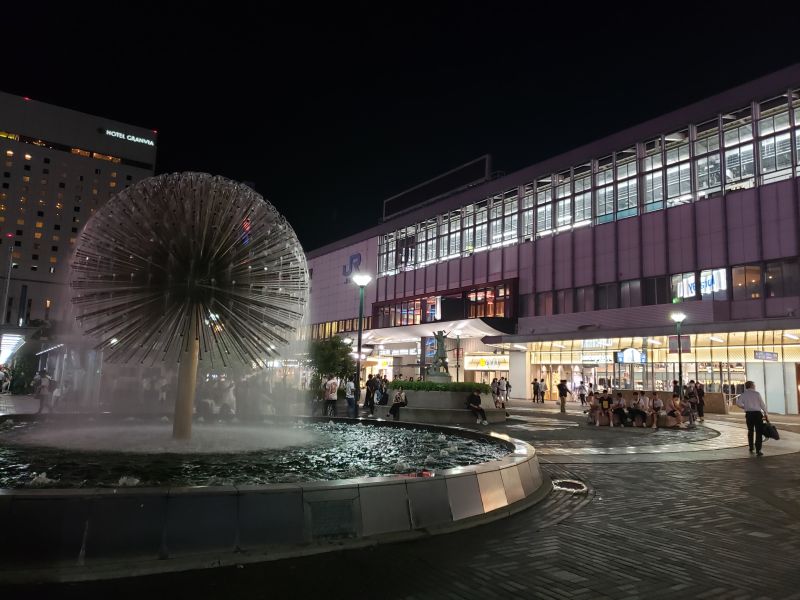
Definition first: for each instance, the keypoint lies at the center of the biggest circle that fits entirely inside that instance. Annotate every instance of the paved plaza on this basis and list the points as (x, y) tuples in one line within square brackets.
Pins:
[(666, 514)]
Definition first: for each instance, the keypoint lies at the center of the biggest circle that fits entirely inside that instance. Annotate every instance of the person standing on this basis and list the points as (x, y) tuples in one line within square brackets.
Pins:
[(502, 390), (562, 394), (535, 385), (542, 389), (495, 386), (582, 393), (331, 388), (701, 403), (350, 396), (755, 412), (44, 392)]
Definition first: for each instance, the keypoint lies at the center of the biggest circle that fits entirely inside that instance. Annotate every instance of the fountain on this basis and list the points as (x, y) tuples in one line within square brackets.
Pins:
[(188, 269)]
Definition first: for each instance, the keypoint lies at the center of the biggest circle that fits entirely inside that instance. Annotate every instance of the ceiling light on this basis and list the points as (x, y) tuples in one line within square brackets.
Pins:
[(791, 336), (652, 341), (716, 339), (559, 345)]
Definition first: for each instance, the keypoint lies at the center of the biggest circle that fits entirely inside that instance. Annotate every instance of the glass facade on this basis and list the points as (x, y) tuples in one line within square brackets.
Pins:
[(756, 145)]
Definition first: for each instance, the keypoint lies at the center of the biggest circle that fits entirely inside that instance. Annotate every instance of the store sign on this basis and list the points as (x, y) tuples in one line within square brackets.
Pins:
[(129, 137), (498, 362), (686, 344), (630, 356), (596, 359), (760, 355), (712, 280), (588, 344), (353, 263)]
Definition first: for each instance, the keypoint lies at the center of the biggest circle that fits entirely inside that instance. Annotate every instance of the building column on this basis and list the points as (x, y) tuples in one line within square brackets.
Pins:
[(520, 375)]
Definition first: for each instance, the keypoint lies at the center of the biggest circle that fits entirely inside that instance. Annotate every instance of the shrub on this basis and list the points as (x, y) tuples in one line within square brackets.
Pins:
[(431, 386)]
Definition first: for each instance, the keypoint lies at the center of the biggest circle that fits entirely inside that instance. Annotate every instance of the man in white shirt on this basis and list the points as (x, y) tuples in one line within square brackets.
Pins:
[(350, 396), (755, 411), (331, 387)]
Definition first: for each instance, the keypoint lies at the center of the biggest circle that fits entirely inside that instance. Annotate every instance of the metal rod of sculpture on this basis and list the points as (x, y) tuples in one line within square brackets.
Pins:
[(184, 268)]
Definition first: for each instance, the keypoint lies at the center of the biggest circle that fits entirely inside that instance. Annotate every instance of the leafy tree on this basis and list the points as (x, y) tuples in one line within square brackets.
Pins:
[(331, 357)]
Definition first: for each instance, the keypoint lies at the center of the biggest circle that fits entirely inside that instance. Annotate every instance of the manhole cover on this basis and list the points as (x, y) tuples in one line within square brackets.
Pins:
[(570, 485)]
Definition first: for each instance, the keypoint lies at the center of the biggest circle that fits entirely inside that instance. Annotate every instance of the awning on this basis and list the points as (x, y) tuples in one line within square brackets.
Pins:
[(465, 328)]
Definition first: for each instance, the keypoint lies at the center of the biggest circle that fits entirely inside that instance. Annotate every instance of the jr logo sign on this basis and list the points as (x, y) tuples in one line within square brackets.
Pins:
[(354, 263)]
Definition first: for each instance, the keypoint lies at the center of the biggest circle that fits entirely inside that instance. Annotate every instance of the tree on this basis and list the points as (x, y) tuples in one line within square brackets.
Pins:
[(331, 357)]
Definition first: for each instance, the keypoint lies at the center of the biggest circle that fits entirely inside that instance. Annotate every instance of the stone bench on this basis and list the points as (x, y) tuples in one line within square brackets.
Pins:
[(441, 416), (663, 420)]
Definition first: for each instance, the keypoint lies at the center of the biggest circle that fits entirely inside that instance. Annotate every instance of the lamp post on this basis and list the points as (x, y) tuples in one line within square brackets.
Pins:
[(679, 317), (361, 280)]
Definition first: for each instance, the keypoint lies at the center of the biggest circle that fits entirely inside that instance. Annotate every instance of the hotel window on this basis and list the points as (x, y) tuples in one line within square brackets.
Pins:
[(746, 282), (782, 279), (714, 284), (738, 129), (510, 216), (627, 188), (684, 287), (563, 199), (583, 194), (481, 217), (679, 182), (496, 221), (604, 206), (527, 212)]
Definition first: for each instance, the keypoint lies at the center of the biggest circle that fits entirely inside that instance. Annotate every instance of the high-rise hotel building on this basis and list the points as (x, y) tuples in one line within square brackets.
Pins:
[(58, 167)]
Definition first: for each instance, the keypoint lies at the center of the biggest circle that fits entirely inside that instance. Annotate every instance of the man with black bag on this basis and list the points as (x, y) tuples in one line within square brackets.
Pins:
[(751, 402)]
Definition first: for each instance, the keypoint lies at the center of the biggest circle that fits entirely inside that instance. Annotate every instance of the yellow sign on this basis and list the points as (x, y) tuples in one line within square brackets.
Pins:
[(488, 362)]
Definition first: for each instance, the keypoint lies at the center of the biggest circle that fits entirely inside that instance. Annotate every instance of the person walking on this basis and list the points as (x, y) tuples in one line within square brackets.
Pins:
[(495, 386), (582, 393), (502, 390), (755, 413), (562, 394)]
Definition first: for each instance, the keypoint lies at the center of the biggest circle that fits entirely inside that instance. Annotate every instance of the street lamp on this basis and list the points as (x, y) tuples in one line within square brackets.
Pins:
[(361, 280), (679, 317)]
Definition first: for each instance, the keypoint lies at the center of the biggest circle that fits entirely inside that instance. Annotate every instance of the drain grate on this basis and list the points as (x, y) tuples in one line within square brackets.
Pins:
[(570, 485)]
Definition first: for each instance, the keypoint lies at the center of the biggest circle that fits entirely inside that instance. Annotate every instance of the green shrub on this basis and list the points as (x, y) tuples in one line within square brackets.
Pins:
[(431, 386)]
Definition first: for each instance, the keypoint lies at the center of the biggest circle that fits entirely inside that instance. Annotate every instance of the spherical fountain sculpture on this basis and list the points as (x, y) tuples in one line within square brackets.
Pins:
[(187, 267)]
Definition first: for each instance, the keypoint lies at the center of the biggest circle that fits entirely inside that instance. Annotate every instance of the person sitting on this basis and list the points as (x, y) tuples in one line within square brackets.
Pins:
[(618, 409), (603, 408), (655, 407), (474, 404), (673, 408), (399, 401), (637, 409), (591, 412)]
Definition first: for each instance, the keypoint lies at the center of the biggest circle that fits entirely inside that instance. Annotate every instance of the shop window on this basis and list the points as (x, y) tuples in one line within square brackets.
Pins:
[(684, 287), (713, 284), (746, 282)]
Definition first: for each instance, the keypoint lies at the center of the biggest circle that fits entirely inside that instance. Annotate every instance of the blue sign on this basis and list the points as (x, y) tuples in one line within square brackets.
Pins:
[(761, 355), (630, 356), (352, 265)]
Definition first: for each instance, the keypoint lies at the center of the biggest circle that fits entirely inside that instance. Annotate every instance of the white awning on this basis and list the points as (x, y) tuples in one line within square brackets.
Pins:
[(465, 328)]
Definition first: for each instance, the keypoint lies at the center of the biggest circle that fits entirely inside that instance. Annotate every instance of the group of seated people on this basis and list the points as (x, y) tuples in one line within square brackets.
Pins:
[(641, 409)]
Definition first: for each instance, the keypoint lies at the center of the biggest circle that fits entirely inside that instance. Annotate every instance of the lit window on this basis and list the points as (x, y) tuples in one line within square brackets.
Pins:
[(26, 179), (28, 157), (20, 221), (56, 238), (53, 259), (39, 224), (113, 173), (112, 184), (52, 270), (48, 303), (37, 235), (9, 153)]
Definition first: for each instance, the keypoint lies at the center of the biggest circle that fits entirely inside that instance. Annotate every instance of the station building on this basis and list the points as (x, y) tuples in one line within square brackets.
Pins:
[(571, 268)]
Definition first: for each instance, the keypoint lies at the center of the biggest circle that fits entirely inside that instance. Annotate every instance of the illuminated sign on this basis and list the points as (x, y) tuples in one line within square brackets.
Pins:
[(129, 137), (630, 356), (760, 355), (490, 362), (596, 343), (712, 280), (595, 359)]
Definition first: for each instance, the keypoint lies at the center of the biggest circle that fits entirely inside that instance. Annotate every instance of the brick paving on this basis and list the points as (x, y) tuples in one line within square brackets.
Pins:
[(692, 529)]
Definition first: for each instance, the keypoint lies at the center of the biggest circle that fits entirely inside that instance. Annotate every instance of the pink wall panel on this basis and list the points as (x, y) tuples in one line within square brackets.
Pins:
[(495, 264), (441, 276), (653, 244), (563, 260), (629, 249), (778, 227), (510, 261), (410, 275), (454, 273), (681, 238), (583, 261), (711, 233), (419, 281), (605, 262), (544, 264), (745, 309), (526, 268), (380, 288), (430, 278), (481, 267), (390, 287), (467, 264), (400, 286), (742, 226)]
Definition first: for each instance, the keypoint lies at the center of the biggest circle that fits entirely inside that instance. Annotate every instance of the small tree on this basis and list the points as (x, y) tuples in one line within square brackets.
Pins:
[(330, 357)]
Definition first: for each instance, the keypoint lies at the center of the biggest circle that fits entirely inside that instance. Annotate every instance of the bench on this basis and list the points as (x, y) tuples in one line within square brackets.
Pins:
[(441, 416)]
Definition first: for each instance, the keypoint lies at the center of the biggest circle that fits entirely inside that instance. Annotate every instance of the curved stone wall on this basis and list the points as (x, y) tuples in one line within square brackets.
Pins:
[(80, 528)]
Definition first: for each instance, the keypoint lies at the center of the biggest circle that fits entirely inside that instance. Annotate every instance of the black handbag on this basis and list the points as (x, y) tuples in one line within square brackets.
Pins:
[(770, 431)]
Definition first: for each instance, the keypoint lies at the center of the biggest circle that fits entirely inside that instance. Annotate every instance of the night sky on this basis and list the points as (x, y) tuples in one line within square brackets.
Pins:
[(331, 112)]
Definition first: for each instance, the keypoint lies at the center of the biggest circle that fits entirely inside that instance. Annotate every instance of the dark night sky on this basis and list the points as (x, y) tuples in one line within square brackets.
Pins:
[(331, 112)]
